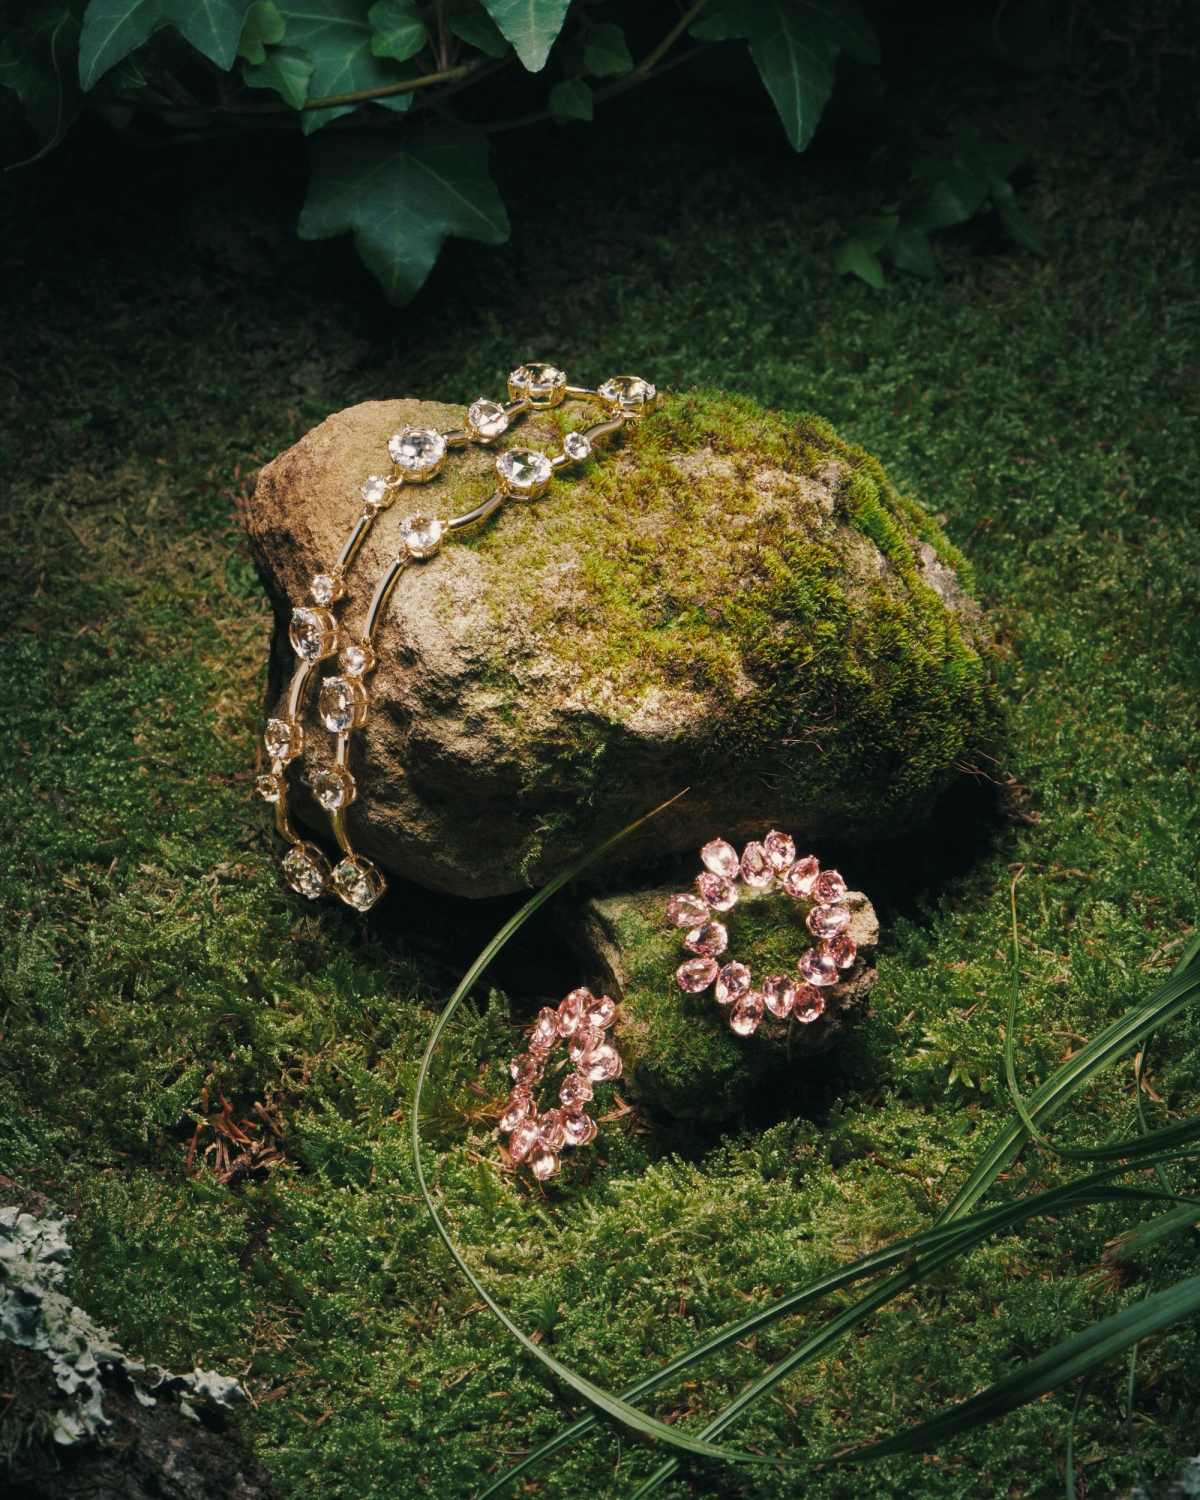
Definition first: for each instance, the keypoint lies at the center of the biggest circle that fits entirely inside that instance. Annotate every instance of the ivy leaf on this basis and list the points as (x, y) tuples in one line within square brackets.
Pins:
[(264, 27), (909, 250), (112, 29), (479, 30), (606, 52), (287, 70), (856, 257), (843, 22), (571, 100), (401, 202), (38, 63), (794, 44), (337, 35), (955, 195), (995, 161), (399, 30), (530, 25), (1015, 220)]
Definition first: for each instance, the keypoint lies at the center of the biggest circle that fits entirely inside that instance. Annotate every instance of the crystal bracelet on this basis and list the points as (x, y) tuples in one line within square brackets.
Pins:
[(419, 455)]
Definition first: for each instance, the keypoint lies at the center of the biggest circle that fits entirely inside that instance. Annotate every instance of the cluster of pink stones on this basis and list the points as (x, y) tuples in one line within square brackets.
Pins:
[(771, 863), (581, 1021)]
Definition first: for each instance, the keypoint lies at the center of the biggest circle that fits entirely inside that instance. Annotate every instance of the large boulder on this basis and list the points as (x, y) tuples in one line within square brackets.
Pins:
[(726, 599)]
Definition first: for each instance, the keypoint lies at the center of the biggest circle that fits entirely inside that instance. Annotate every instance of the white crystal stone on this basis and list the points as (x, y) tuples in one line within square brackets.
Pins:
[(324, 588), (284, 739), (418, 452), (576, 446), (271, 786), (377, 490), (335, 788), (356, 661), (523, 471), (358, 882), (422, 535), (629, 393), (306, 870), (314, 634), (343, 704), (540, 384), (486, 420)]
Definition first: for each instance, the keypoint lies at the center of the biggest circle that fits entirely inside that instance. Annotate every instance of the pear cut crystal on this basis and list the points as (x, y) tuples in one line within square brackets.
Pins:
[(781, 849), (603, 1064), (686, 910), (571, 1011), (576, 446), (284, 739), (842, 950), (578, 1128), (306, 870), (584, 1043), (516, 1110), (550, 1130), (523, 1140), (545, 1030), (827, 921), (629, 393), (732, 983), (600, 1013), (523, 472), (525, 1070), (271, 786), (746, 1014), (486, 420), (422, 535), (313, 634), (575, 1090), (818, 968), (335, 788), (778, 994), (757, 868), (721, 858), (419, 453), (809, 1004), (710, 939), (720, 893), (544, 1165), (358, 882), (696, 974), (800, 878), (829, 887), (343, 704), (539, 384)]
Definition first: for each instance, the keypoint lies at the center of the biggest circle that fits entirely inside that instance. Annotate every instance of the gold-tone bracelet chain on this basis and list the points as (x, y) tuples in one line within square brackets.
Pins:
[(418, 455)]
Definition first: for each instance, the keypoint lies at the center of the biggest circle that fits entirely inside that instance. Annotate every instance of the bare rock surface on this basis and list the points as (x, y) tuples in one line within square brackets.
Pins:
[(725, 598)]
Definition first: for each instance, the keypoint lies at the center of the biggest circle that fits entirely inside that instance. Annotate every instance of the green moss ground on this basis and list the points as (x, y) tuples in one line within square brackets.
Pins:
[(1048, 410)]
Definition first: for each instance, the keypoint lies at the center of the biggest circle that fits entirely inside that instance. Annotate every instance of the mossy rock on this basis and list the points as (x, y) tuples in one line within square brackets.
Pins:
[(729, 598), (678, 1051)]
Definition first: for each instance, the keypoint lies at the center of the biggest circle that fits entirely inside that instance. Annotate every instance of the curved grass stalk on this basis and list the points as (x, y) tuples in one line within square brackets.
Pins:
[(1069, 1465)]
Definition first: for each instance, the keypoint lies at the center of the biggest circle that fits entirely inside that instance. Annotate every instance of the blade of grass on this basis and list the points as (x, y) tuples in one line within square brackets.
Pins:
[(1132, 1241), (1069, 1468)]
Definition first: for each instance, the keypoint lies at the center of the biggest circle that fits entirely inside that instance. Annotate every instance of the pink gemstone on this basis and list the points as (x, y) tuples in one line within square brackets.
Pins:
[(801, 877), (780, 848), (550, 1130), (515, 1110), (732, 982), (686, 910), (570, 1011), (525, 1069), (578, 1127), (746, 1014), (544, 1165), (545, 1031), (600, 1013), (757, 869), (778, 993), (721, 858), (809, 1004), (709, 940), (602, 1064), (818, 968), (696, 975), (828, 921), (575, 1090), (523, 1140), (830, 886), (842, 950), (720, 893), (584, 1042)]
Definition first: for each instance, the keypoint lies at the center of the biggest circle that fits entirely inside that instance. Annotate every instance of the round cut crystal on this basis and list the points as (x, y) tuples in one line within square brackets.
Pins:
[(696, 974), (603, 1064), (829, 887), (827, 921), (629, 393), (419, 453), (335, 788), (842, 950), (516, 1110), (422, 535), (314, 634), (584, 1043), (539, 384), (720, 893), (358, 882), (575, 1090), (486, 420), (284, 739), (306, 870), (544, 1165), (800, 878), (326, 587), (709, 939), (550, 1130), (523, 1140), (571, 1011), (686, 910), (600, 1013), (271, 786), (356, 661), (378, 491), (576, 446), (721, 858), (732, 982), (343, 704), (545, 1030), (808, 1005), (525, 1070), (746, 1014), (778, 993), (523, 471), (781, 848), (757, 868), (578, 1128), (818, 968)]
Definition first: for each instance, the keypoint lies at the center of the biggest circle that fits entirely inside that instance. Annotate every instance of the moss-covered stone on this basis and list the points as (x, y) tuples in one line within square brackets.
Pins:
[(678, 1050), (733, 599)]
